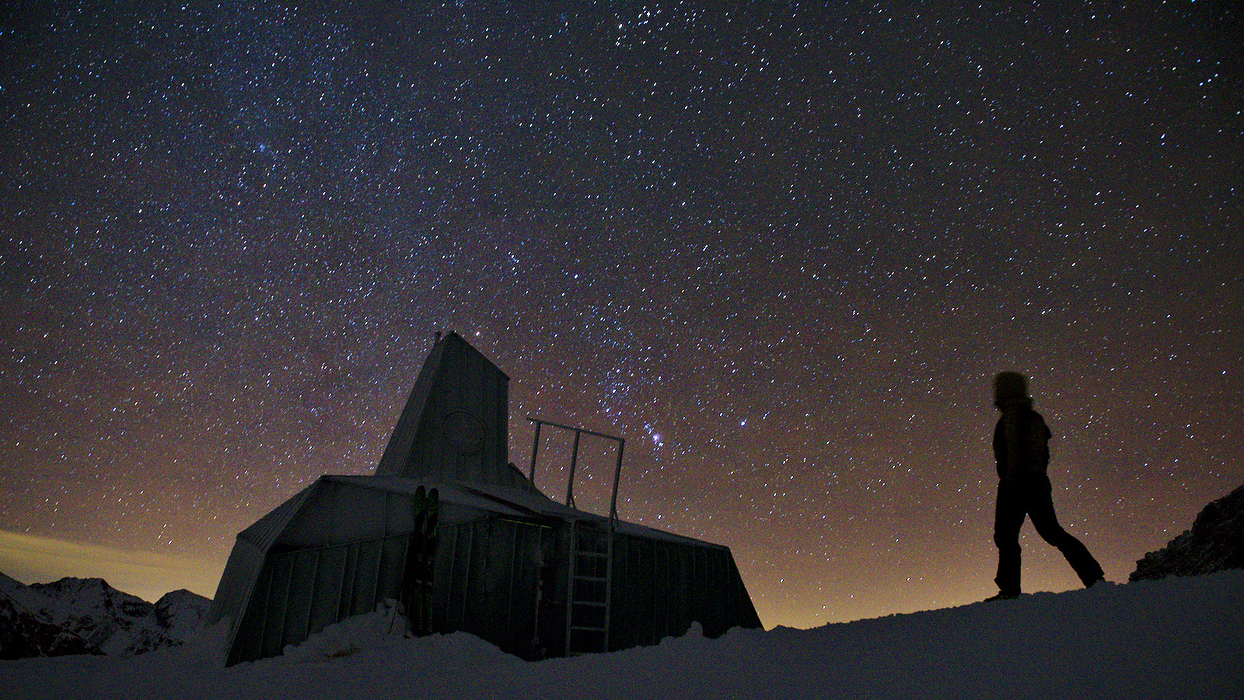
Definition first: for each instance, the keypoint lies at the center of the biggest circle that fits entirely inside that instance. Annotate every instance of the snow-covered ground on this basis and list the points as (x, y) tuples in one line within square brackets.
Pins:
[(1175, 638)]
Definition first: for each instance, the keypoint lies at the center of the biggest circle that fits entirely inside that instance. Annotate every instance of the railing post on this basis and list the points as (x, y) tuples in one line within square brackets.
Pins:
[(535, 447), (617, 474), (574, 459)]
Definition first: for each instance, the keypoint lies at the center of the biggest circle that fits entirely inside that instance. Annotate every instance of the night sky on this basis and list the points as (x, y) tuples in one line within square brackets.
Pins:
[(781, 249)]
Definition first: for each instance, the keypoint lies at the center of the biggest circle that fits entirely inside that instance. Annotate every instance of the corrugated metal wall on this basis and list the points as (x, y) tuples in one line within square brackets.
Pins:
[(661, 587), (507, 581), (333, 551), (300, 592), (494, 580), (503, 578)]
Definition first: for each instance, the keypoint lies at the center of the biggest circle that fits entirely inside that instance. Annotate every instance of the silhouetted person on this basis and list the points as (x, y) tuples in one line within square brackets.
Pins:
[(1021, 448)]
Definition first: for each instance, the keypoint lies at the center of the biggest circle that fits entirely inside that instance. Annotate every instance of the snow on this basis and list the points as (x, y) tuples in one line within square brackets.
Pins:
[(1178, 637), (117, 623), (180, 613)]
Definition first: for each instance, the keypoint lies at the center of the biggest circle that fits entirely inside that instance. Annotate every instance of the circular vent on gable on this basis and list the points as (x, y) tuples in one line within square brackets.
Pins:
[(463, 431)]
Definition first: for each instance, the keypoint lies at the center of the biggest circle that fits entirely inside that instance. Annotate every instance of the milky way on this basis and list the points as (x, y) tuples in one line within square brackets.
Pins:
[(781, 249)]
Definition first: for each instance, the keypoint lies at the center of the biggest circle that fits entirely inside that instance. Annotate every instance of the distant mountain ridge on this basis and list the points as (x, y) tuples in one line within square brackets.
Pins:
[(88, 616), (1215, 543)]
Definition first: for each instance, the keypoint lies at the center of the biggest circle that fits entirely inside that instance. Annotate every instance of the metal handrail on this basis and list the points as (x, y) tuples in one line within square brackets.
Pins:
[(574, 459)]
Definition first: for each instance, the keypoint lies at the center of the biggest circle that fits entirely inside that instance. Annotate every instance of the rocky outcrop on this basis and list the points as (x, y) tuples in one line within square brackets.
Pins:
[(87, 616), (24, 634), (1215, 542)]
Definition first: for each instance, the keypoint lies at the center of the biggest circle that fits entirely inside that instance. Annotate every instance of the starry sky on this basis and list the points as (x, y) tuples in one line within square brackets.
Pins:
[(781, 248)]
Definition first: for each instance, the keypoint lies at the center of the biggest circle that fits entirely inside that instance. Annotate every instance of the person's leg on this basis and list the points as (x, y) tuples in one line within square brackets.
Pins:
[(1041, 510), (1008, 519)]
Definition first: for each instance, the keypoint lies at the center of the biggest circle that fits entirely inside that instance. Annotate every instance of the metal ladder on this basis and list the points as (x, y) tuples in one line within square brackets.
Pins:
[(590, 588), (590, 585)]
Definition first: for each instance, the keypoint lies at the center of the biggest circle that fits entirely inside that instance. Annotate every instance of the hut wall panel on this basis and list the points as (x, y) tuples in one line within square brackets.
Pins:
[(503, 576), (627, 616), (271, 641), (509, 534), (493, 594), (681, 617), (621, 598), (458, 598), (660, 588), (325, 601), (691, 598), (645, 593), (524, 600), (297, 607), (366, 574), (551, 623), (241, 573), (661, 592), (494, 455), (445, 396), (392, 568), (501, 427), (432, 440), (677, 600), (695, 597), (248, 638), (446, 592), (399, 514), (473, 616), (718, 588), (420, 461), (699, 585), (678, 592), (439, 588), (719, 591), (346, 591), (488, 462)]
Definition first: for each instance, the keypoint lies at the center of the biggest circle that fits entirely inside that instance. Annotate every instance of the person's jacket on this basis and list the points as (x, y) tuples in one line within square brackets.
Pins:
[(1021, 442)]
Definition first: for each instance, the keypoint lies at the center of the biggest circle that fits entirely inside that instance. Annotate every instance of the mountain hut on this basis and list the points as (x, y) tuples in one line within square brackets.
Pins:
[(533, 576)]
